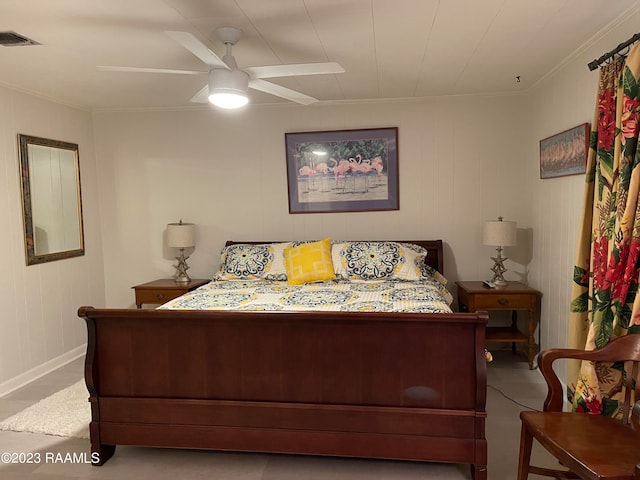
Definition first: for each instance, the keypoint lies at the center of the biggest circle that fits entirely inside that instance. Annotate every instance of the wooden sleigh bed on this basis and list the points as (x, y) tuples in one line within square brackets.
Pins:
[(408, 386)]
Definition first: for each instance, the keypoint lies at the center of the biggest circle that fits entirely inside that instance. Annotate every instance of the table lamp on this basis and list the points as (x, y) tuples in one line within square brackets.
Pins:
[(181, 235), (499, 234)]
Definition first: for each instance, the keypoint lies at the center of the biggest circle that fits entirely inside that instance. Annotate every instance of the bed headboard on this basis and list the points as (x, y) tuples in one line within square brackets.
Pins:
[(434, 249)]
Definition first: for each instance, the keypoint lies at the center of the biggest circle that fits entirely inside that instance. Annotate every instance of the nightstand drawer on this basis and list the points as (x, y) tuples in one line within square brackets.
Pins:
[(157, 296), (497, 301)]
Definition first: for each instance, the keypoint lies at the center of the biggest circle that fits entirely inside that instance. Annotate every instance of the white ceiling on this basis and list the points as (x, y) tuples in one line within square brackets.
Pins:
[(389, 48)]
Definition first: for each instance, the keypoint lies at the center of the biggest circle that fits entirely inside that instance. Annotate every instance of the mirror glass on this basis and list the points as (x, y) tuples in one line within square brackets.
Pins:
[(51, 199)]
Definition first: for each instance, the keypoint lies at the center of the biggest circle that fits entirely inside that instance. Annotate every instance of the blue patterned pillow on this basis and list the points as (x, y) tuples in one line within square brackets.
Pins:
[(250, 262), (378, 261)]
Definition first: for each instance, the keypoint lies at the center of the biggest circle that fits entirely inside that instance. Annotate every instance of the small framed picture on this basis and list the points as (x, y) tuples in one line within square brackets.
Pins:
[(565, 153)]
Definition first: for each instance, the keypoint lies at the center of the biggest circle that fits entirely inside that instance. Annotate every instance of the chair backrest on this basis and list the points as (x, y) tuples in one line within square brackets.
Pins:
[(622, 349)]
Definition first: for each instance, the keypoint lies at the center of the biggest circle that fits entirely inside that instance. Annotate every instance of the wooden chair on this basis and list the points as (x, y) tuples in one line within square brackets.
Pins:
[(589, 446)]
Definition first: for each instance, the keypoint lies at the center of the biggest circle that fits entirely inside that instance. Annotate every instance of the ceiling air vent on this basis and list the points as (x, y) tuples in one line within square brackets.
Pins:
[(13, 39)]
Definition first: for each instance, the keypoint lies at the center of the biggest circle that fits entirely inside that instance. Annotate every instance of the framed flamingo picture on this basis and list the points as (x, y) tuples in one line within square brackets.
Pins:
[(565, 153), (343, 170)]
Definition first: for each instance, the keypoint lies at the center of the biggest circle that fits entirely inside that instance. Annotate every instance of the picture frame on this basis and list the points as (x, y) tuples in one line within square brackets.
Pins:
[(343, 170), (565, 153)]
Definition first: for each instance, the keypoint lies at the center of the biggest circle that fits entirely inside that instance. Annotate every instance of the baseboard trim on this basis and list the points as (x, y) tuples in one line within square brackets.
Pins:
[(41, 370)]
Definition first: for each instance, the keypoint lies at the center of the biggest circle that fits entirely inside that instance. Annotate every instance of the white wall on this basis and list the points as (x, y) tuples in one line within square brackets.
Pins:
[(459, 165), (565, 99), (39, 326)]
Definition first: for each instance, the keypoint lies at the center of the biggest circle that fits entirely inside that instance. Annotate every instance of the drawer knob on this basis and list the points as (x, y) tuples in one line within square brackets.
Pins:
[(503, 301), (160, 296)]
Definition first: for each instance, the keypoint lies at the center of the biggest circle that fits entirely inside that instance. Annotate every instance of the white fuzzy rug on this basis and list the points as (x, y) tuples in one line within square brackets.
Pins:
[(66, 413)]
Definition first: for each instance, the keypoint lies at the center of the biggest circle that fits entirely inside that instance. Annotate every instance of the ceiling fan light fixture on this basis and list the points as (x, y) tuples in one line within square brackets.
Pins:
[(228, 88), (229, 101)]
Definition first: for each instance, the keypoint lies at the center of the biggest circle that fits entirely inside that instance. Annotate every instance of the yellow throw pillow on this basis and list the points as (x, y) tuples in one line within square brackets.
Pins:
[(309, 263)]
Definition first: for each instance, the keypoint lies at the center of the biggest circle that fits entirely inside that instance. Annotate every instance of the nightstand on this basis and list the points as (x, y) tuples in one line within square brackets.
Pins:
[(163, 290), (474, 296)]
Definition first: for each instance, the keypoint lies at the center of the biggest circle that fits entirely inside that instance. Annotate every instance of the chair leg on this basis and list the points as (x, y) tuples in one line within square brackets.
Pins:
[(524, 459)]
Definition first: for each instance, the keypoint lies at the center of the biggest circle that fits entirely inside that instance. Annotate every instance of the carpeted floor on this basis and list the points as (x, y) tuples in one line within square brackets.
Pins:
[(66, 413)]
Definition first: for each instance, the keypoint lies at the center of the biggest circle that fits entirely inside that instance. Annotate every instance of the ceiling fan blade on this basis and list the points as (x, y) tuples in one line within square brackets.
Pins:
[(202, 96), (295, 69), (282, 92), (198, 48), (108, 68)]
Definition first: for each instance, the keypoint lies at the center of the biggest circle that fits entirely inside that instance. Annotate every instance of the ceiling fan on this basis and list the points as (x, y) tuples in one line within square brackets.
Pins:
[(228, 85)]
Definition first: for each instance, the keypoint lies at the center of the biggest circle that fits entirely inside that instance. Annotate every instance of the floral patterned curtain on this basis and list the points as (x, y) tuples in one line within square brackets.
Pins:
[(605, 304)]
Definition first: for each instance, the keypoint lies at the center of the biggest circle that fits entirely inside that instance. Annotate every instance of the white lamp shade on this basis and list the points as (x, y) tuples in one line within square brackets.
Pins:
[(499, 233), (181, 235)]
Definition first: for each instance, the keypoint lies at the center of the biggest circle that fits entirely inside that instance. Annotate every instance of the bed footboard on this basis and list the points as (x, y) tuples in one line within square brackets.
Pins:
[(379, 385)]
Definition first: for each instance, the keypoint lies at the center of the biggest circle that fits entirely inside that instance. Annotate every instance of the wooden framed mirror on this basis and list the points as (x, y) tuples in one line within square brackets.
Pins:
[(51, 199)]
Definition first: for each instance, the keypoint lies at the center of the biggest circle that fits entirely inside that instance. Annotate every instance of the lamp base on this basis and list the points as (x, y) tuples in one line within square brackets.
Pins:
[(497, 283), (181, 276), (498, 269)]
